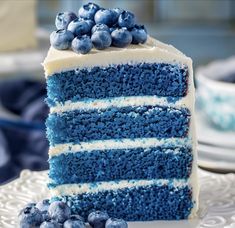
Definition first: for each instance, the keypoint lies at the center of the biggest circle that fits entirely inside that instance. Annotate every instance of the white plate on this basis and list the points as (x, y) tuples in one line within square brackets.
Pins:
[(216, 149), (209, 135), (217, 201), (216, 158)]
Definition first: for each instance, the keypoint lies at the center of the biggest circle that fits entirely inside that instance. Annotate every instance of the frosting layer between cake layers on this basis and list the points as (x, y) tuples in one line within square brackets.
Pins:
[(121, 131)]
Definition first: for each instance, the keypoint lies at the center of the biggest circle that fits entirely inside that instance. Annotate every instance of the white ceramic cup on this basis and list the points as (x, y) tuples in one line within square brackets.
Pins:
[(216, 97)]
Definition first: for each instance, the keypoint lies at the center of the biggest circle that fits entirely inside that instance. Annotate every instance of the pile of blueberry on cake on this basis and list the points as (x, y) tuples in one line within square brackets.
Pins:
[(58, 215), (96, 27)]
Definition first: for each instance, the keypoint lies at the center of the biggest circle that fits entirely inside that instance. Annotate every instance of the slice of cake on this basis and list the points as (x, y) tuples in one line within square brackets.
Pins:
[(121, 130)]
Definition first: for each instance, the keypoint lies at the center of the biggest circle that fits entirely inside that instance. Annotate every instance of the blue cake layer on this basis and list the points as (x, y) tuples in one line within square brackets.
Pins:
[(161, 79), (119, 164), (135, 204), (117, 123)]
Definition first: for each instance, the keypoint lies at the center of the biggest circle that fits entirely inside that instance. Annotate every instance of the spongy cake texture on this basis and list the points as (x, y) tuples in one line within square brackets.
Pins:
[(141, 79), (117, 123)]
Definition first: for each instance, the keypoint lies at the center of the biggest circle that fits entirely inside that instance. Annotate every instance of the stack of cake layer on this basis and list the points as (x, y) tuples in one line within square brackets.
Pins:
[(121, 131)]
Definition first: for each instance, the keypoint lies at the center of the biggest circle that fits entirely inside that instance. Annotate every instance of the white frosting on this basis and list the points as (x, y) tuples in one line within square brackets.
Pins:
[(121, 102), (76, 189), (152, 51), (17, 24), (118, 144), (193, 180)]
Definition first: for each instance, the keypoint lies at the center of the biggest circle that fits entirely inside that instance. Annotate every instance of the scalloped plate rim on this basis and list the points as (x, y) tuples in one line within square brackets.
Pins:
[(206, 218)]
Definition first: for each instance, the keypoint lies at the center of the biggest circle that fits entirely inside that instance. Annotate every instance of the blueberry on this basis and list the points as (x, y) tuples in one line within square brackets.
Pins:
[(116, 223), (90, 23), (116, 14), (50, 224), (61, 39), (75, 221), (45, 216), (97, 219), (100, 27), (63, 19), (104, 16), (121, 37), (88, 11), (118, 10), (79, 27), (111, 29), (82, 44), (101, 39), (30, 217), (126, 19), (59, 211), (43, 205), (139, 34), (77, 217)]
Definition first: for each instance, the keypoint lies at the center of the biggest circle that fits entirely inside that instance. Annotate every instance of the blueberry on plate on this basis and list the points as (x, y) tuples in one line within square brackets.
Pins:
[(82, 44), (121, 37), (139, 34), (30, 217), (51, 224), (100, 27), (105, 16), (101, 39), (45, 216), (79, 27), (88, 11), (126, 19), (77, 217), (43, 205), (97, 219), (61, 39), (62, 20), (116, 223), (59, 211), (75, 221)]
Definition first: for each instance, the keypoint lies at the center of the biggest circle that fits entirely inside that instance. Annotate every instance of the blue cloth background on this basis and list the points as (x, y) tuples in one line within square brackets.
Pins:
[(23, 143)]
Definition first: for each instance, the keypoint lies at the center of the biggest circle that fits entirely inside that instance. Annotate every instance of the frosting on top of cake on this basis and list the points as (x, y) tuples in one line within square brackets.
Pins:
[(152, 51)]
